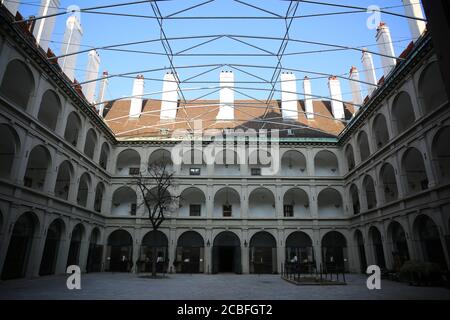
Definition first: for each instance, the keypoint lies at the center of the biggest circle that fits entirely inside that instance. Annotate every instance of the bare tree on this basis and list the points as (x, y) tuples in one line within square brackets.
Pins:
[(154, 187)]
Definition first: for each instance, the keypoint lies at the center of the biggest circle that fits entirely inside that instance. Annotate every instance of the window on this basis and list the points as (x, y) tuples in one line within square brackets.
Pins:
[(164, 131), (134, 171), (194, 171), (195, 210), (133, 209), (256, 171), (288, 210), (290, 132), (227, 210)]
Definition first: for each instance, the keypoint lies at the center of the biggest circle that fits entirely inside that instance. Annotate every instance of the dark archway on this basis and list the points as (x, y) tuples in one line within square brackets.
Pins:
[(90, 143), (334, 251), (154, 243), (73, 127), (18, 83), (94, 261), (441, 153), (414, 171), (190, 253), (20, 245), (263, 253), (49, 109), (427, 233), (354, 196), (377, 243), (299, 250), (389, 183), (400, 252), (403, 112), (380, 131), (359, 240), (369, 189), (363, 143), (226, 253), (431, 87), (350, 156), (9, 148), (75, 245), (39, 161), (51, 248), (120, 251)]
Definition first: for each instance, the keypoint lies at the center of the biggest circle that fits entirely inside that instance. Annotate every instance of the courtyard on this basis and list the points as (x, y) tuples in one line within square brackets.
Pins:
[(126, 286)]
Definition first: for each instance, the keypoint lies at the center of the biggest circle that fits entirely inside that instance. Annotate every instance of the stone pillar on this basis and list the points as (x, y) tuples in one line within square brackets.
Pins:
[(63, 251), (136, 250), (172, 248), (244, 202), (208, 252), (281, 252), (245, 252), (317, 248)]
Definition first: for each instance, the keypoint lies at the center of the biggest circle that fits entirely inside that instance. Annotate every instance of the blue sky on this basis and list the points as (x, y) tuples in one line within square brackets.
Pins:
[(346, 29)]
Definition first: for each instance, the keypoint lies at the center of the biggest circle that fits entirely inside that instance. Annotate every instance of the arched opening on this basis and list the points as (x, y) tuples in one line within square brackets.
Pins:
[(380, 131), (94, 261), (258, 161), (63, 180), (377, 244), (263, 253), (75, 245), (161, 158), (441, 153), (363, 143), (296, 203), (369, 190), (330, 203), (119, 252), (49, 109), (293, 164), (73, 127), (83, 189), (414, 171), (359, 240), (389, 183), (38, 164), (154, 244), (193, 163), (299, 251), (261, 203), (226, 253), (90, 144), (9, 147), (227, 203), (334, 251), (326, 164), (190, 253), (98, 199), (226, 162), (18, 84), (427, 232), (51, 247), (124, 202), (431, 87), (403, 112), (350, 156), (20, 246), (354, 196), (104, 155), (192, 203), (400, 252), (128, 163)]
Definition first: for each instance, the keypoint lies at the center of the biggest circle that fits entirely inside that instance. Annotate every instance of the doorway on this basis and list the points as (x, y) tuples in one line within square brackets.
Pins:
[(226, 253)]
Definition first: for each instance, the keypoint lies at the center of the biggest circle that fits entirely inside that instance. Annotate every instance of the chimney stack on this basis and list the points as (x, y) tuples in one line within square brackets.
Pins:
[(92, 70), (137, 99), (71, 44), (12, 6), (309, 108), (337, 106), (43, 29), (226, 110), (169, 101), (413, 9), (369, 71), (355, 86), (289, 98), (102, 94), (384, 40)]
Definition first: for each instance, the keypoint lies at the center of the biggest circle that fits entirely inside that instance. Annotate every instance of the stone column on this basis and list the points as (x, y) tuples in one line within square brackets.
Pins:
[(245, 252)]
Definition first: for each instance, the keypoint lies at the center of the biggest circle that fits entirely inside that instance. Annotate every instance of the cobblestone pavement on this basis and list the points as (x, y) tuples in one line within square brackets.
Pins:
[(222, 286)]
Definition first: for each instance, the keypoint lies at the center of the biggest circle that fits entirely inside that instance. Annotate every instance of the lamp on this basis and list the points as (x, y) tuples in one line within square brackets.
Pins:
[(208, 243), (245, 243)]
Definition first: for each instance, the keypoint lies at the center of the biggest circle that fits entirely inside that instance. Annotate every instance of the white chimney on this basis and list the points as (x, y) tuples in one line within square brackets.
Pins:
[(369, 71), (102, 94), (137, 99), (413, 9), (289, 98), (355, 86), (12, 6), (71, 44), (337, 106), (92, 70), (44, 27), (309, 108), (226, 110), (169, 101), (386, 48)]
